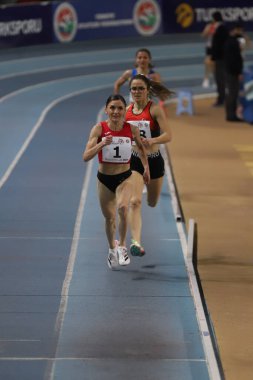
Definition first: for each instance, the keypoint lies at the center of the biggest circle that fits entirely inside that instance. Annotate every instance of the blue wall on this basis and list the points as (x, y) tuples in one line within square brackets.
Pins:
[(77, 20)]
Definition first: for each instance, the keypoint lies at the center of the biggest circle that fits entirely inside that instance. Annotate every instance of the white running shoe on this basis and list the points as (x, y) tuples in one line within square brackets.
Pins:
[(124, 259), (112, 259), (206, 83)]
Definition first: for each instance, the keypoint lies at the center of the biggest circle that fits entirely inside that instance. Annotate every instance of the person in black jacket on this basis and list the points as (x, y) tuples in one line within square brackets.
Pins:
[(233, 60), (218, 42)]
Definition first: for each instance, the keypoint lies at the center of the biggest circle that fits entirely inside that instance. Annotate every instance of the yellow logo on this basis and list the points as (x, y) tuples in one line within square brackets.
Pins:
[(185, 15)]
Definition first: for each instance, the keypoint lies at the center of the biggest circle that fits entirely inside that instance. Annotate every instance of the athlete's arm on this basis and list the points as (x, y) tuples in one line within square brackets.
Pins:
[(156, 77), (93, 147), (158, 114), (121, 80), (142, 153)]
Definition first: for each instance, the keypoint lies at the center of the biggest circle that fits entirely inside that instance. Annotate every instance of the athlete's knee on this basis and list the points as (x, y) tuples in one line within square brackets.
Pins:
[(122, 210), (110, 220), (152, 202), (135, 203)]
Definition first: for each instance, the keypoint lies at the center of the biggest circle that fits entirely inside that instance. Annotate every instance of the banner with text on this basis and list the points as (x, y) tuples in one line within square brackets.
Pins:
[(25, 25), (191, 16), (78, 21)]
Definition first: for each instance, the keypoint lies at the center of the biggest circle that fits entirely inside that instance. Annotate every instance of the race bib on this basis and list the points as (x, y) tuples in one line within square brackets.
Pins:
[(143, 126), (119, 151)]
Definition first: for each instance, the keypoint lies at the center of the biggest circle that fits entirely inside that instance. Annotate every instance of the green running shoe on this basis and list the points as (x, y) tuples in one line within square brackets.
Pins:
[(136, 249)]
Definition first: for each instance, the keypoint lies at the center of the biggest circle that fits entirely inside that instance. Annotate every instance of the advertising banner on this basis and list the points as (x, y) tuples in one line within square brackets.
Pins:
[(85, 20), (25, 25), (192, 15)]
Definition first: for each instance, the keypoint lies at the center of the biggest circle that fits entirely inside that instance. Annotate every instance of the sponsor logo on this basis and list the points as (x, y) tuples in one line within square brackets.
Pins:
[(229, 14), (21, 27), (65, 22), (147, 17), (185, 15)]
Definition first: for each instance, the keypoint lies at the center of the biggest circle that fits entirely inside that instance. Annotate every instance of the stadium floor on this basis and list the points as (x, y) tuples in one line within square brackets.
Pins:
[(212, 165)]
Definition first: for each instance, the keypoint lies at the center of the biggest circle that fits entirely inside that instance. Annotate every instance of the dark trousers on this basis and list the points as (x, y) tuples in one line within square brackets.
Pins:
[(232, 94), (220, 81)]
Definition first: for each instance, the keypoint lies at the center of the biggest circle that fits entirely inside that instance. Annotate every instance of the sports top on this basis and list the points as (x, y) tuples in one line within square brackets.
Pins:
[(135, 72), (119, 151), (144, 121)]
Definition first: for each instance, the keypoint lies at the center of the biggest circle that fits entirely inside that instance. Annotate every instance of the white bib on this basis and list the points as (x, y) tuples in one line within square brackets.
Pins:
[(143, 126), (119, 151)]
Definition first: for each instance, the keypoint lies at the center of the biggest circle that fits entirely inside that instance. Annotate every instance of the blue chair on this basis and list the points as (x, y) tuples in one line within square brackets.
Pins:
[(184, 102), (246, 100)]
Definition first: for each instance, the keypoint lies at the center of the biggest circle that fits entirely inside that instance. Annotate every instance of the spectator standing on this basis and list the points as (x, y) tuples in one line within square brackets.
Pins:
[(233, 70), (208, 33), (218, 42)]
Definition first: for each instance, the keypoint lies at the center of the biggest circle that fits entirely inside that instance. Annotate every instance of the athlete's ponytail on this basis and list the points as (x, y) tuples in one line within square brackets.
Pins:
[(156, 89)]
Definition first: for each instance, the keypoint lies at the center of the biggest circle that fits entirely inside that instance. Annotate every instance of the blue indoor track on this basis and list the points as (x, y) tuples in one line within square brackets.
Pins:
[(64, 314)]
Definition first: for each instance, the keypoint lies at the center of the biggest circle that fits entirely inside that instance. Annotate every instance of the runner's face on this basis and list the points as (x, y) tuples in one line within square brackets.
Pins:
[(139, 90), (142, 60), (116, 110)]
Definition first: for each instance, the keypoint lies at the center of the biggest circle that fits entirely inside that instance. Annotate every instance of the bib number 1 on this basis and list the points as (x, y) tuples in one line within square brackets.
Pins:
[(119, 151)]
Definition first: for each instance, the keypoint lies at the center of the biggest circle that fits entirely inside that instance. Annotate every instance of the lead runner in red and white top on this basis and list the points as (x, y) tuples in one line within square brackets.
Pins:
[(112, 140)]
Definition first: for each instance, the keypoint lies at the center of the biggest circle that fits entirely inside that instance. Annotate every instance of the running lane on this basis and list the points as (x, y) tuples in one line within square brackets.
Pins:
[(64, 314)]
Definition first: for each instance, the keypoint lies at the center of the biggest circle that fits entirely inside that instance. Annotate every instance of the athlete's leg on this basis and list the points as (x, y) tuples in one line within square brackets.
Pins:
[(154, 190), (123, 195), (107, 201), (135, 219)]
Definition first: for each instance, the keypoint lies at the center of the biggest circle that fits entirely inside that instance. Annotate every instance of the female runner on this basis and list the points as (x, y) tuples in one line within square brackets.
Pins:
[(112, 141), (143, 65), (153, 123)]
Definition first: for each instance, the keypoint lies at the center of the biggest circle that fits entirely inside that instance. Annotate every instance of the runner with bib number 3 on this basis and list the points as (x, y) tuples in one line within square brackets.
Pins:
[(153, 123)]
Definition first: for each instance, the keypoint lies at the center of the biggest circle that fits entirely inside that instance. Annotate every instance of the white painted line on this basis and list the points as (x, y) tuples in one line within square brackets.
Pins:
[(174, 201), (81, 56), (45, 238), (100, 114), (20, 340), (43, 84), (37, 126), (49, 373), (190, 240), (49, 359), (71, 262), (212, 364)]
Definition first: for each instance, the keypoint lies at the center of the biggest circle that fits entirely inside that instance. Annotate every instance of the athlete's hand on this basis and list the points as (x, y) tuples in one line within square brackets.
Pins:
[(146, 176), (146, 142), (107, 140)]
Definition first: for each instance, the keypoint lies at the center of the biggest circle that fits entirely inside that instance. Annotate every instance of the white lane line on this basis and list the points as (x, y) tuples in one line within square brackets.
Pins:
[(49, 373), (45, 238), (37, 126), (20, 340), (53, 81), (63, 238), (205, 334), (96, 359), (57, 68), (74, 57), (71, 262)]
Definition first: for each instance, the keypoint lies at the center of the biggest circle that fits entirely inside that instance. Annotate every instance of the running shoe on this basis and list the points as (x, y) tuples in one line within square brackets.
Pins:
[(124, 259), (206, 83), (112, 259), (136, 249)]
